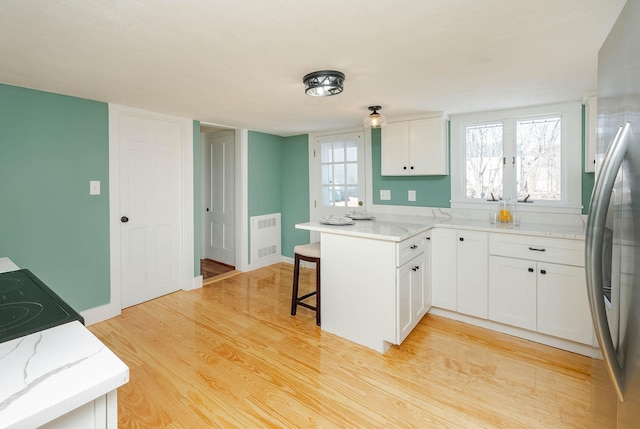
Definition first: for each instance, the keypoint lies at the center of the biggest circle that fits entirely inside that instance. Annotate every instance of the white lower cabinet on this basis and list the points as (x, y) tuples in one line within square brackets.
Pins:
[(101, 413), (512, 292), (563, 305), (472, 273), (459, 267), (411, 296), (528, 291), (443, 269)]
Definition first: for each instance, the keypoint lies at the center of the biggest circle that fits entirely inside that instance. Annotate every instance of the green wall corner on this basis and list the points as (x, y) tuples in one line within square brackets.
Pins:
[(51, 146)]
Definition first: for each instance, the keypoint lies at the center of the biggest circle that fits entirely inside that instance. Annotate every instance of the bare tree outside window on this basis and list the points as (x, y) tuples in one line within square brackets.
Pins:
[(483, 146), (539, 168)]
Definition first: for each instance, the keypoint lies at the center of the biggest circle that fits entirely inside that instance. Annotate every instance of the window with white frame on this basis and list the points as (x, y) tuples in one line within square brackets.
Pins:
[(532, 155)]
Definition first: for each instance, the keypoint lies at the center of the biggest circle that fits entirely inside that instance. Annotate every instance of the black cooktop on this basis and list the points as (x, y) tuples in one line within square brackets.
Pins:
[(27, 305)]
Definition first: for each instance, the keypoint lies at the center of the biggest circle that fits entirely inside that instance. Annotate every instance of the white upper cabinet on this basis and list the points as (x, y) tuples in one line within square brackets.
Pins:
[(415, 148)]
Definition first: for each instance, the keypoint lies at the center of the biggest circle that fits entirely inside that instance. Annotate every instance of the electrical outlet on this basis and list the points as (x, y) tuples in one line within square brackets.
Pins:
[(412, 195), (94, 187), (385, 194)]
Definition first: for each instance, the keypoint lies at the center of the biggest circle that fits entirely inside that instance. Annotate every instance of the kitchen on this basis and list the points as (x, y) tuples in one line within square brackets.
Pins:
[(51, 200)]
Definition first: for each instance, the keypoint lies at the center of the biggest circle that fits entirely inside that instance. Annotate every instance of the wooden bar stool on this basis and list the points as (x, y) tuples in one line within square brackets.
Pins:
[(309, 253)]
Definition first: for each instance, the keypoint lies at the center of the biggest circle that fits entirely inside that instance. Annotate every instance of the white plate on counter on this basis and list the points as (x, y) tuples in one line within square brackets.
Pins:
[(360, 216), (336, 220)]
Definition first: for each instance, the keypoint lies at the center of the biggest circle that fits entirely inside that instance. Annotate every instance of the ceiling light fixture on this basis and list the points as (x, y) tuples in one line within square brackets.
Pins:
[(323, 83), (375, 119)]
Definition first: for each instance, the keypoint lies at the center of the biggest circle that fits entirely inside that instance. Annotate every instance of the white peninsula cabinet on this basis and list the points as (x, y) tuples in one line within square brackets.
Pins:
[(375, 286), (415, 148)]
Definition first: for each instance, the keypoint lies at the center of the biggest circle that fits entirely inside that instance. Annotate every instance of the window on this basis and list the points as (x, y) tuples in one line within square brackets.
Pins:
[(531, 155), (337, 180), (339, 173)]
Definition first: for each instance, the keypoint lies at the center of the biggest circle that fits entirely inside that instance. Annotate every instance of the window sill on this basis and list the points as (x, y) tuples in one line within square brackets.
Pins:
[(533, 207)]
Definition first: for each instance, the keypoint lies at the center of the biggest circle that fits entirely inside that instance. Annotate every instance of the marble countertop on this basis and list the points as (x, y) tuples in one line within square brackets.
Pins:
[(50, 373), (399, 228)]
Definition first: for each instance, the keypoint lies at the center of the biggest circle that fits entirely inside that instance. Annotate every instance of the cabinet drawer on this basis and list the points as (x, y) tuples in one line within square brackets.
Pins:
[(409, 249), (557, 250)]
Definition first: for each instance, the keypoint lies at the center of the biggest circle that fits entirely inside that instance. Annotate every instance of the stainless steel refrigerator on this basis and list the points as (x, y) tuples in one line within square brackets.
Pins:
[(613, 228)]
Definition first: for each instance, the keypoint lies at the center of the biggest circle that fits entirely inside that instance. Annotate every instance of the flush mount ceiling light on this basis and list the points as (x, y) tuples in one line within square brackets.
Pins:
[(323, 83), (375, 119)]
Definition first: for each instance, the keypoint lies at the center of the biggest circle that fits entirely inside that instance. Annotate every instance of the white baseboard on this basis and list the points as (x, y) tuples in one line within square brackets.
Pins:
[(582, 349), (99, 314), (195, 284)]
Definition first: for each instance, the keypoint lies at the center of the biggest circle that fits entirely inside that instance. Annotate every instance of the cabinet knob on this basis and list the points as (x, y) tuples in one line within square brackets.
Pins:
[(124, 219), (413, 247), (428, 238), (404, 168), (530, 270), (543, 271), (461, 238), (412, 167), (416, 268)]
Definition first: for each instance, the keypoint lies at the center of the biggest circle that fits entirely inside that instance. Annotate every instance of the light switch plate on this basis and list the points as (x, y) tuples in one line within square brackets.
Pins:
[(412, 195), (94, 187), (385, 194)]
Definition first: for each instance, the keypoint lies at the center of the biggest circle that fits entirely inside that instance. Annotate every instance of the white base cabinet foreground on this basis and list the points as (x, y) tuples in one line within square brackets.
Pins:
[(376, 291)]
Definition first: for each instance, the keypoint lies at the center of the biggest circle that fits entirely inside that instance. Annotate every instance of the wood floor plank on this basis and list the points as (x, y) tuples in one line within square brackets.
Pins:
[(230, 355)]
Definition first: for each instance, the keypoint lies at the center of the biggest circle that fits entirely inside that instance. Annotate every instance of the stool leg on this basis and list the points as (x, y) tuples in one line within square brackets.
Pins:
[(318, 292), (294, 292)]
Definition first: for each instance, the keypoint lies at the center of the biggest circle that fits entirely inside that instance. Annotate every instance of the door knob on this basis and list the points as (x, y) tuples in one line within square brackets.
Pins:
[(124, 219), (207, 208)]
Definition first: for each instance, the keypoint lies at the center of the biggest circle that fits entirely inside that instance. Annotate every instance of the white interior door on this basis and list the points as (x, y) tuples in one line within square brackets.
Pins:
[(150, 205), (339, 174), (219, 200)]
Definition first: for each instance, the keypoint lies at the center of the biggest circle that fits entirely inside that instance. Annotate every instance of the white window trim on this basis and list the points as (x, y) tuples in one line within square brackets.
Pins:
[(571, 114)]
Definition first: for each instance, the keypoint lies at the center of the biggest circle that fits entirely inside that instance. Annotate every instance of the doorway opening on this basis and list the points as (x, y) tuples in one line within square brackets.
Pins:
[(218, 203)]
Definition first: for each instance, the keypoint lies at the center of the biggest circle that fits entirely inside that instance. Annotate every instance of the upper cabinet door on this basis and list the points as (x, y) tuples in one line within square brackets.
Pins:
[(415, 148), (395, 149)]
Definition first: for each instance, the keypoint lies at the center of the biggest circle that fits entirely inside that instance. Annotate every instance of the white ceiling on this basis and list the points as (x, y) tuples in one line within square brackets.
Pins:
[(240, 63)]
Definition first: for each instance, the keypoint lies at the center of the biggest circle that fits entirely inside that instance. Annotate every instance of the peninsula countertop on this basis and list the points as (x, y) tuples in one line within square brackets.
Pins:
[(399, 228)]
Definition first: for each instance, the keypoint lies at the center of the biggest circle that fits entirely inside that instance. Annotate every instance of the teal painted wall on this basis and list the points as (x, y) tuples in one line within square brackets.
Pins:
[(278, 182), (51, 146), (197, 198), (588, 179), (295, 191), (431, 191), (264, 173)]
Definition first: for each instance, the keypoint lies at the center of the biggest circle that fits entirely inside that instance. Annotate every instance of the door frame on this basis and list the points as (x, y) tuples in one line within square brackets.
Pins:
[(188, 281), (237, 147), (313, 173)]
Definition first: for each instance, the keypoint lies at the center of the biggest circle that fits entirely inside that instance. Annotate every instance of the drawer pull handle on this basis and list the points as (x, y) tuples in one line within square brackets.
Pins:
[(416, 268), (461, 238), (537, 249), (413, 247)]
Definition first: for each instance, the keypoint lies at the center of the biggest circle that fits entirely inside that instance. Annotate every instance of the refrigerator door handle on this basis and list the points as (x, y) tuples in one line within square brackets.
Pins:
[(593, 253)]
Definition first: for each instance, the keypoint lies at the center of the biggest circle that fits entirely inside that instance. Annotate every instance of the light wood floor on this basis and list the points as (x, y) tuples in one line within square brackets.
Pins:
[(230, 355)]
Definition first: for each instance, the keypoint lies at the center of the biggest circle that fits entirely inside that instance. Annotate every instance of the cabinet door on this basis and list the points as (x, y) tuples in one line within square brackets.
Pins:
[(403, 310), (443, 268), (512, 291), (427, 273), (418, 296), (472, 273), (394, 147), (411, 299), (428, 152), (563, 304)]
